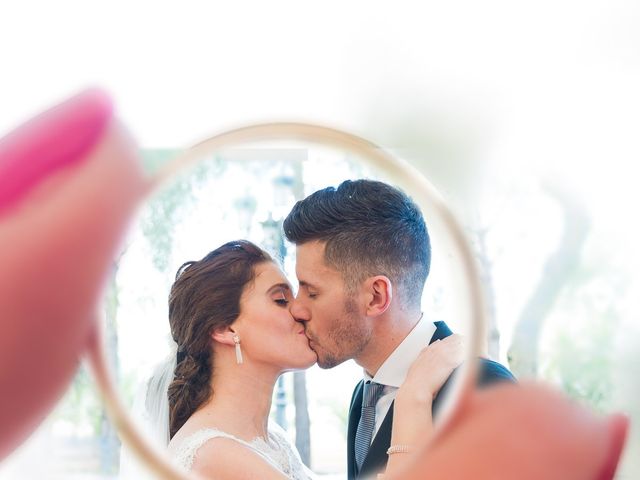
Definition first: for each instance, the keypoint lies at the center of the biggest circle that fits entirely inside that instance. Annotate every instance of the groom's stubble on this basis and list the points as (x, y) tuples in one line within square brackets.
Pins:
[(347, 336)]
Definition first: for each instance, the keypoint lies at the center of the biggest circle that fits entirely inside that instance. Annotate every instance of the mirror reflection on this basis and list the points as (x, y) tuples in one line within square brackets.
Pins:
[(325, 285)]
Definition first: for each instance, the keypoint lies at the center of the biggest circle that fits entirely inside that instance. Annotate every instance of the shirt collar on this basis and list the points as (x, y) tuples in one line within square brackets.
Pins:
[(394, 369)]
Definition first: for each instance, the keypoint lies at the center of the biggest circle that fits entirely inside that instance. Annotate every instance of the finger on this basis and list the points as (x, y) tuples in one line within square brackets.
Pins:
[(62, 216)]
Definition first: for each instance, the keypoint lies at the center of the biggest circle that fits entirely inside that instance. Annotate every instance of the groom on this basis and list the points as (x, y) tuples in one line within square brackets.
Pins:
[(362, 258)]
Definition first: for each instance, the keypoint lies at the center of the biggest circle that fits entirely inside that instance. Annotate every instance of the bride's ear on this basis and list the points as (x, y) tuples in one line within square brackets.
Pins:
[(224, 336)]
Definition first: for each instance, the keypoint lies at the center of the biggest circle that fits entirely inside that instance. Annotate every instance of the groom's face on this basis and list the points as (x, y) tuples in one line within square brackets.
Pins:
[(333, 323)]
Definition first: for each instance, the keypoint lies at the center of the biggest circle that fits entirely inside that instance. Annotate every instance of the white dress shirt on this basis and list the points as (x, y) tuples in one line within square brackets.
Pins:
[(394, 370)]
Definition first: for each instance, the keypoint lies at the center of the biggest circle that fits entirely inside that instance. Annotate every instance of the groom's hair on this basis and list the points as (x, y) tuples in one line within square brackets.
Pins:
[(368, 228)]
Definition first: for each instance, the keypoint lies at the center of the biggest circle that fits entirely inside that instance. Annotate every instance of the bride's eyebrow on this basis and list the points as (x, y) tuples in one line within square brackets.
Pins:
[(278, 286)]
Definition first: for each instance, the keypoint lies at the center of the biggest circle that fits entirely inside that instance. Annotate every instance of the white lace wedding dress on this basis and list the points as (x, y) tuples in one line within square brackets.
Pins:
[(278, 451)]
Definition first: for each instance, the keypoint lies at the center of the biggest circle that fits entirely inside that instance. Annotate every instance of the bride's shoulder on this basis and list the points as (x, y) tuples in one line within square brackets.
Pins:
[(184, 445), (196, 431), (197, 437)]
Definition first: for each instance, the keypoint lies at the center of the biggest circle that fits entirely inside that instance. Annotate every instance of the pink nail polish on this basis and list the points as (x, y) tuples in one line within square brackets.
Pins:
[(57, 138)]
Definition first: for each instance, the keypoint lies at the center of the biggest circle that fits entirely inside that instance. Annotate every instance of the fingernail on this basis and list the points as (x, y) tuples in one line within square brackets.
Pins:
[(57, 138)]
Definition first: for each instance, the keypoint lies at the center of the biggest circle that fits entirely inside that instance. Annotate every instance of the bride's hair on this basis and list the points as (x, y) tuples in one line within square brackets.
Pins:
[(205, 296)]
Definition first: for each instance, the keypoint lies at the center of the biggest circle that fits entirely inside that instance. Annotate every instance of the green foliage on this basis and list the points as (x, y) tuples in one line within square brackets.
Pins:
[(165, 209), (580, 352), (582, 366), (82, 405)]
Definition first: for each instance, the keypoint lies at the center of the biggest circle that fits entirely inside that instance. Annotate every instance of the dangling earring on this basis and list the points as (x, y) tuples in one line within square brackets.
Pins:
[(236, 340)]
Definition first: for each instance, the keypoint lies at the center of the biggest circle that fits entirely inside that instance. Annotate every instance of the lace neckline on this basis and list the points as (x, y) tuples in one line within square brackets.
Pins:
[(276, 450)]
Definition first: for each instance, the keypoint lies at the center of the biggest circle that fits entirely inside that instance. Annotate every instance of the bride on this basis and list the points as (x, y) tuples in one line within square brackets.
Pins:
[(229, 316)]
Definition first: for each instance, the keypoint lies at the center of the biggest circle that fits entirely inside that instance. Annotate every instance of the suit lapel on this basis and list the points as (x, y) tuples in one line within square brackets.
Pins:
[(442, 331), (355, 411)]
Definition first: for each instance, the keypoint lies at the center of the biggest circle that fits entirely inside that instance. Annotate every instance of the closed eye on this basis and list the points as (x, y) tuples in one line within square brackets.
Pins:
[(308, 289), (280, 294)]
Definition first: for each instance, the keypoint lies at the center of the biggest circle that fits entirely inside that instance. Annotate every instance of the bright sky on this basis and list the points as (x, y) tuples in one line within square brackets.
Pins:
[(550, 85)]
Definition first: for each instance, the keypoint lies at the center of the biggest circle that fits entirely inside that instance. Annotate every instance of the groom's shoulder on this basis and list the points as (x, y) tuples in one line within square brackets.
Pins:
[(491, 372)]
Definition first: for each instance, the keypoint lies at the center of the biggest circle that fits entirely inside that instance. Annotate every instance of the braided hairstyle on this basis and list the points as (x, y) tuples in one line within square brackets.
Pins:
[(204, 297)]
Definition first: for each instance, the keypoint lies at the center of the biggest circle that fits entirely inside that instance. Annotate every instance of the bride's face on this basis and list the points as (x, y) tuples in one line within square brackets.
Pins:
[(268, 332)]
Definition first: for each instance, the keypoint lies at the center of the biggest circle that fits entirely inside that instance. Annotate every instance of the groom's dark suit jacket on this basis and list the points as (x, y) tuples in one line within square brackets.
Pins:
[(376, 459)]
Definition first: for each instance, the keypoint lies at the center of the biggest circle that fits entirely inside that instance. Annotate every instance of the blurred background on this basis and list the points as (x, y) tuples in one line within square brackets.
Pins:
[(524, 115)]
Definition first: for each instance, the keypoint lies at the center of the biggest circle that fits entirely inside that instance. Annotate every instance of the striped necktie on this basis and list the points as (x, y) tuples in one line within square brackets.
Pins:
[(364, 433)]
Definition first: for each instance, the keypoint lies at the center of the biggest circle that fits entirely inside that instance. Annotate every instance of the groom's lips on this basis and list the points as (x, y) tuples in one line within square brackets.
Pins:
[(310, 341)]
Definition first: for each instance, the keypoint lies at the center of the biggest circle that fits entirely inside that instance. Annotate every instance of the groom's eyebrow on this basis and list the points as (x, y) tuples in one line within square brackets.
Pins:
[(305, 284)]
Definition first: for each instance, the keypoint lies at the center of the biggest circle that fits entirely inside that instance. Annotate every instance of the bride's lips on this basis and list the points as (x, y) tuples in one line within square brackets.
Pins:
[(310, 340), (306, 334)]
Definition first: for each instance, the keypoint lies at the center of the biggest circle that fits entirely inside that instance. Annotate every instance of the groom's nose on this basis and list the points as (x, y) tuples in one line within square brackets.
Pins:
[(299, 311)]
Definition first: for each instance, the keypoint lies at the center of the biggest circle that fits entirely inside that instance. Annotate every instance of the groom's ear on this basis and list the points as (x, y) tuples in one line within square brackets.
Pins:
[(379, 293), (223, 335)]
